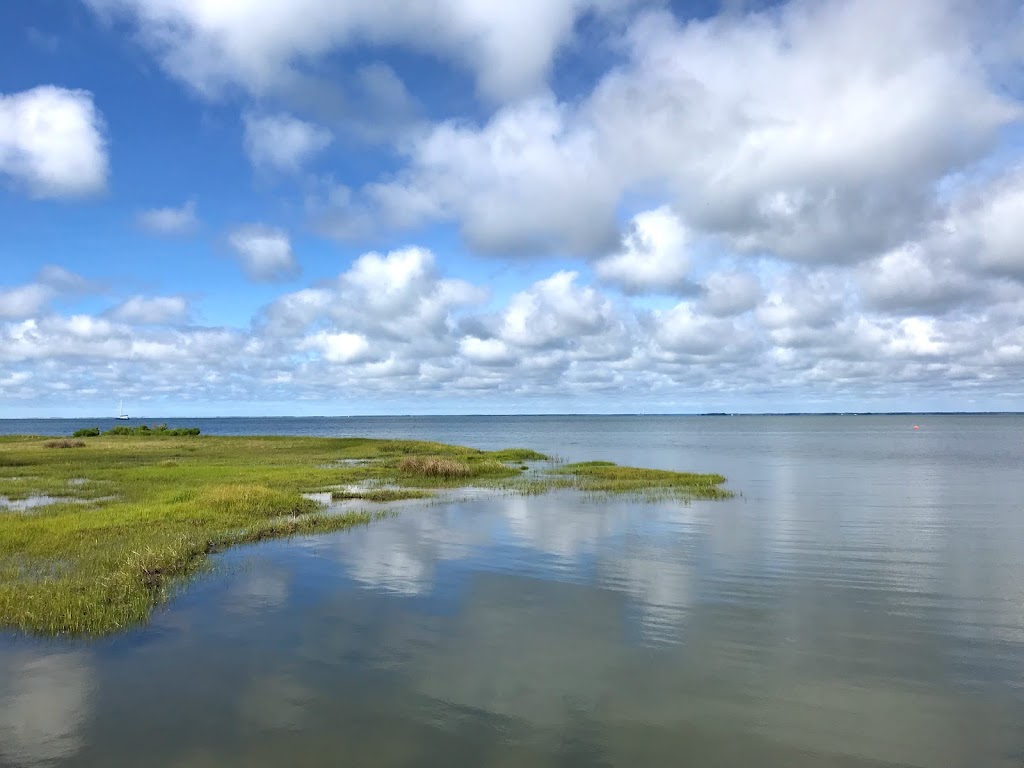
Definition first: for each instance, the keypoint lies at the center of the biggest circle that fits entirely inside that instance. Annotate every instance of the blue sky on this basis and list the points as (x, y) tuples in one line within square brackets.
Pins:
[(314, 207)]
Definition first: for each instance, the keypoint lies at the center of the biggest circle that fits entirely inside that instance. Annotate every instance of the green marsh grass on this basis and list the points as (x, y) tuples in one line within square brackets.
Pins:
[(380, 495), (608, 477), (159, 508)]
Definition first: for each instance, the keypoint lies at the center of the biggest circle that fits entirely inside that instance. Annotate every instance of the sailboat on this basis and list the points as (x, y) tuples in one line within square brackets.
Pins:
[(120, 412)]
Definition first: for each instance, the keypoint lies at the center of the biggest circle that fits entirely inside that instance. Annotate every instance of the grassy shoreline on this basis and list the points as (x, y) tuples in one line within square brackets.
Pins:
[(131, 517)]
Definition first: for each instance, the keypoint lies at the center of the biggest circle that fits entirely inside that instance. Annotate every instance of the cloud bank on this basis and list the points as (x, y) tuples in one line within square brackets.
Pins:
[(395, 326)]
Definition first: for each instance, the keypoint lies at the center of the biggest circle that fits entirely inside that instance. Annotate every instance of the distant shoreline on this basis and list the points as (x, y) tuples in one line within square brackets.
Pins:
[(530, 415)]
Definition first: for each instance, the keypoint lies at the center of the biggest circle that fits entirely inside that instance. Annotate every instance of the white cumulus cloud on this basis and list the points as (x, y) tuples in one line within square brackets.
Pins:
[(531, 180), (32, 299), (486, 351), (25, 300), (339, 347), (653, 257), (52, 142), (265, 253), (555, 312), (509, 47), (815, 132), (390, 313)]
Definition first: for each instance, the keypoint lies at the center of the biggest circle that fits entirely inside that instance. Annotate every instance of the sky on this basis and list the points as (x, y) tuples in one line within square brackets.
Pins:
[(344, 207)]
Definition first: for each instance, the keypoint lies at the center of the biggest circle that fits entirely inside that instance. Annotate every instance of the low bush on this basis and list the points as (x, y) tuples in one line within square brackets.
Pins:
[(160, 430)]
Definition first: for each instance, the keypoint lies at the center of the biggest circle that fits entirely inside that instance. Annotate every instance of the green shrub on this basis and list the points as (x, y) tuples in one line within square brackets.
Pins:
[(144, 430)]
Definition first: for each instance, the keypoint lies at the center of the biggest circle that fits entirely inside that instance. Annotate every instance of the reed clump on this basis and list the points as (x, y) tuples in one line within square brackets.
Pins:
[(64, 443), (434, 466)]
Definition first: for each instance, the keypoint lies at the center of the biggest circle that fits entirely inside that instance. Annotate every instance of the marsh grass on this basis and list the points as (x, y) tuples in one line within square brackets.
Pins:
[(605, 477), (380, 495), (449, 472), (159, 508), (536, 485), (434, 466), (516, 455), (65, 443)]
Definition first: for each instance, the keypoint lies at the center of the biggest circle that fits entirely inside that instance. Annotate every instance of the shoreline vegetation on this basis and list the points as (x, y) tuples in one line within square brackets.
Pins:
[(97, 530)]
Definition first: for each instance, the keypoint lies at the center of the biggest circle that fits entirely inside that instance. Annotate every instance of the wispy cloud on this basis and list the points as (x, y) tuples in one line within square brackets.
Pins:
[(171, 221), (282, 142), (265, 253)]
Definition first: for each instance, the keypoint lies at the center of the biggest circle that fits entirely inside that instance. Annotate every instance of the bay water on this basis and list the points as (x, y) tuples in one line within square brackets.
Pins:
[(859, 603)]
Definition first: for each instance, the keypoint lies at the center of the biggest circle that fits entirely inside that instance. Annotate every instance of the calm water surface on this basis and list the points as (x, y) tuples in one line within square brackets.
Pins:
[(860, 604)]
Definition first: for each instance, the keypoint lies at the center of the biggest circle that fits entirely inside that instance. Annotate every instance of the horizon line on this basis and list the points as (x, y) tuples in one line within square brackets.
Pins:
[(534, 415)]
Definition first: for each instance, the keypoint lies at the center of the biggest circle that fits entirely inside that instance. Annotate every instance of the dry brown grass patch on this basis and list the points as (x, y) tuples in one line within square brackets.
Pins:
[(434, 466)]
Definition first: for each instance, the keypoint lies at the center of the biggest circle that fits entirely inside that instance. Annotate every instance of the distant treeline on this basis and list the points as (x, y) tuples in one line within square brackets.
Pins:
[(144, 430)]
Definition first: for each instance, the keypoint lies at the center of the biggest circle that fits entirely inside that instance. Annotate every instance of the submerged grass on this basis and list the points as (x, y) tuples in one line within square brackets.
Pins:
[(380, 494), (160, 507)]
